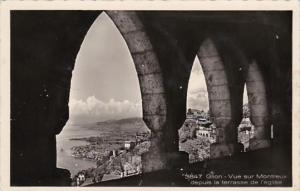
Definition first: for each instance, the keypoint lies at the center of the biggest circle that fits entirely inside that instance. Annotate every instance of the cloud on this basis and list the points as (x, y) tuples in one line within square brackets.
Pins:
[(198, 99), (93, 109)]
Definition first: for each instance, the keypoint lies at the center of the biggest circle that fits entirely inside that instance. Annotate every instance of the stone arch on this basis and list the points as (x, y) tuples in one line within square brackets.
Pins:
[(223, 64), (221, 92), (146, 64)]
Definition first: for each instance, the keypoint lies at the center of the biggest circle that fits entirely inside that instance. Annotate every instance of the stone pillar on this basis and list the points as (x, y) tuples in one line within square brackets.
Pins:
[(259, 115), (152, 88), (219, 100)]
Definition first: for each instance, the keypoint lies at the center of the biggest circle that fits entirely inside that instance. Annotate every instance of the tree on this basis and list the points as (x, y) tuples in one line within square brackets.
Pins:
[(246, 111)]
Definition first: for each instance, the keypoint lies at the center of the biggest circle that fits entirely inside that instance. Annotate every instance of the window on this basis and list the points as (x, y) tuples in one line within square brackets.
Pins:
[(197, 103), (105, 100)]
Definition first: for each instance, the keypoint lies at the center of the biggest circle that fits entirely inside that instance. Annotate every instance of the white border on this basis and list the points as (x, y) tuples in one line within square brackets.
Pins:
[(6, 6)]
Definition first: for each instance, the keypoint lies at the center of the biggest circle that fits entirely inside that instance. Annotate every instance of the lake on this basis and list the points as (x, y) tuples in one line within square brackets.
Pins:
[(64, 145), (119, 128)]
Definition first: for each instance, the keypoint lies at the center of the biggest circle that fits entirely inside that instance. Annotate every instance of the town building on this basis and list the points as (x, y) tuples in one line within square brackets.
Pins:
[(129, 145), (245, 132), (204, 127), (208, 132)]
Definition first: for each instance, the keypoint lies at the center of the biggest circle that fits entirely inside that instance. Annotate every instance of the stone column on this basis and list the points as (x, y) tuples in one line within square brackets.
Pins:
[(219, 100), (259, 115), (152, 88)]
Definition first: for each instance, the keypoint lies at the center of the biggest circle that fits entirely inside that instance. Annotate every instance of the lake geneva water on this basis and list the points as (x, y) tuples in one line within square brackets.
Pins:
[(64, 145)]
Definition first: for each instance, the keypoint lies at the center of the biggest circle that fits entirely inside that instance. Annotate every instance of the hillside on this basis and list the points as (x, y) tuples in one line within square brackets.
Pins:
[(128, 126)]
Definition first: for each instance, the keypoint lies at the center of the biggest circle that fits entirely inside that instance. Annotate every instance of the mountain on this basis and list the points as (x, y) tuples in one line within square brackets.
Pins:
[(122, 121), (120, 126)]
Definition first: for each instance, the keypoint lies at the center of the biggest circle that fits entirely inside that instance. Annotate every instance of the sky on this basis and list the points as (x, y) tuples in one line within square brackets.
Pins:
[(105, 85), (197, 97)]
